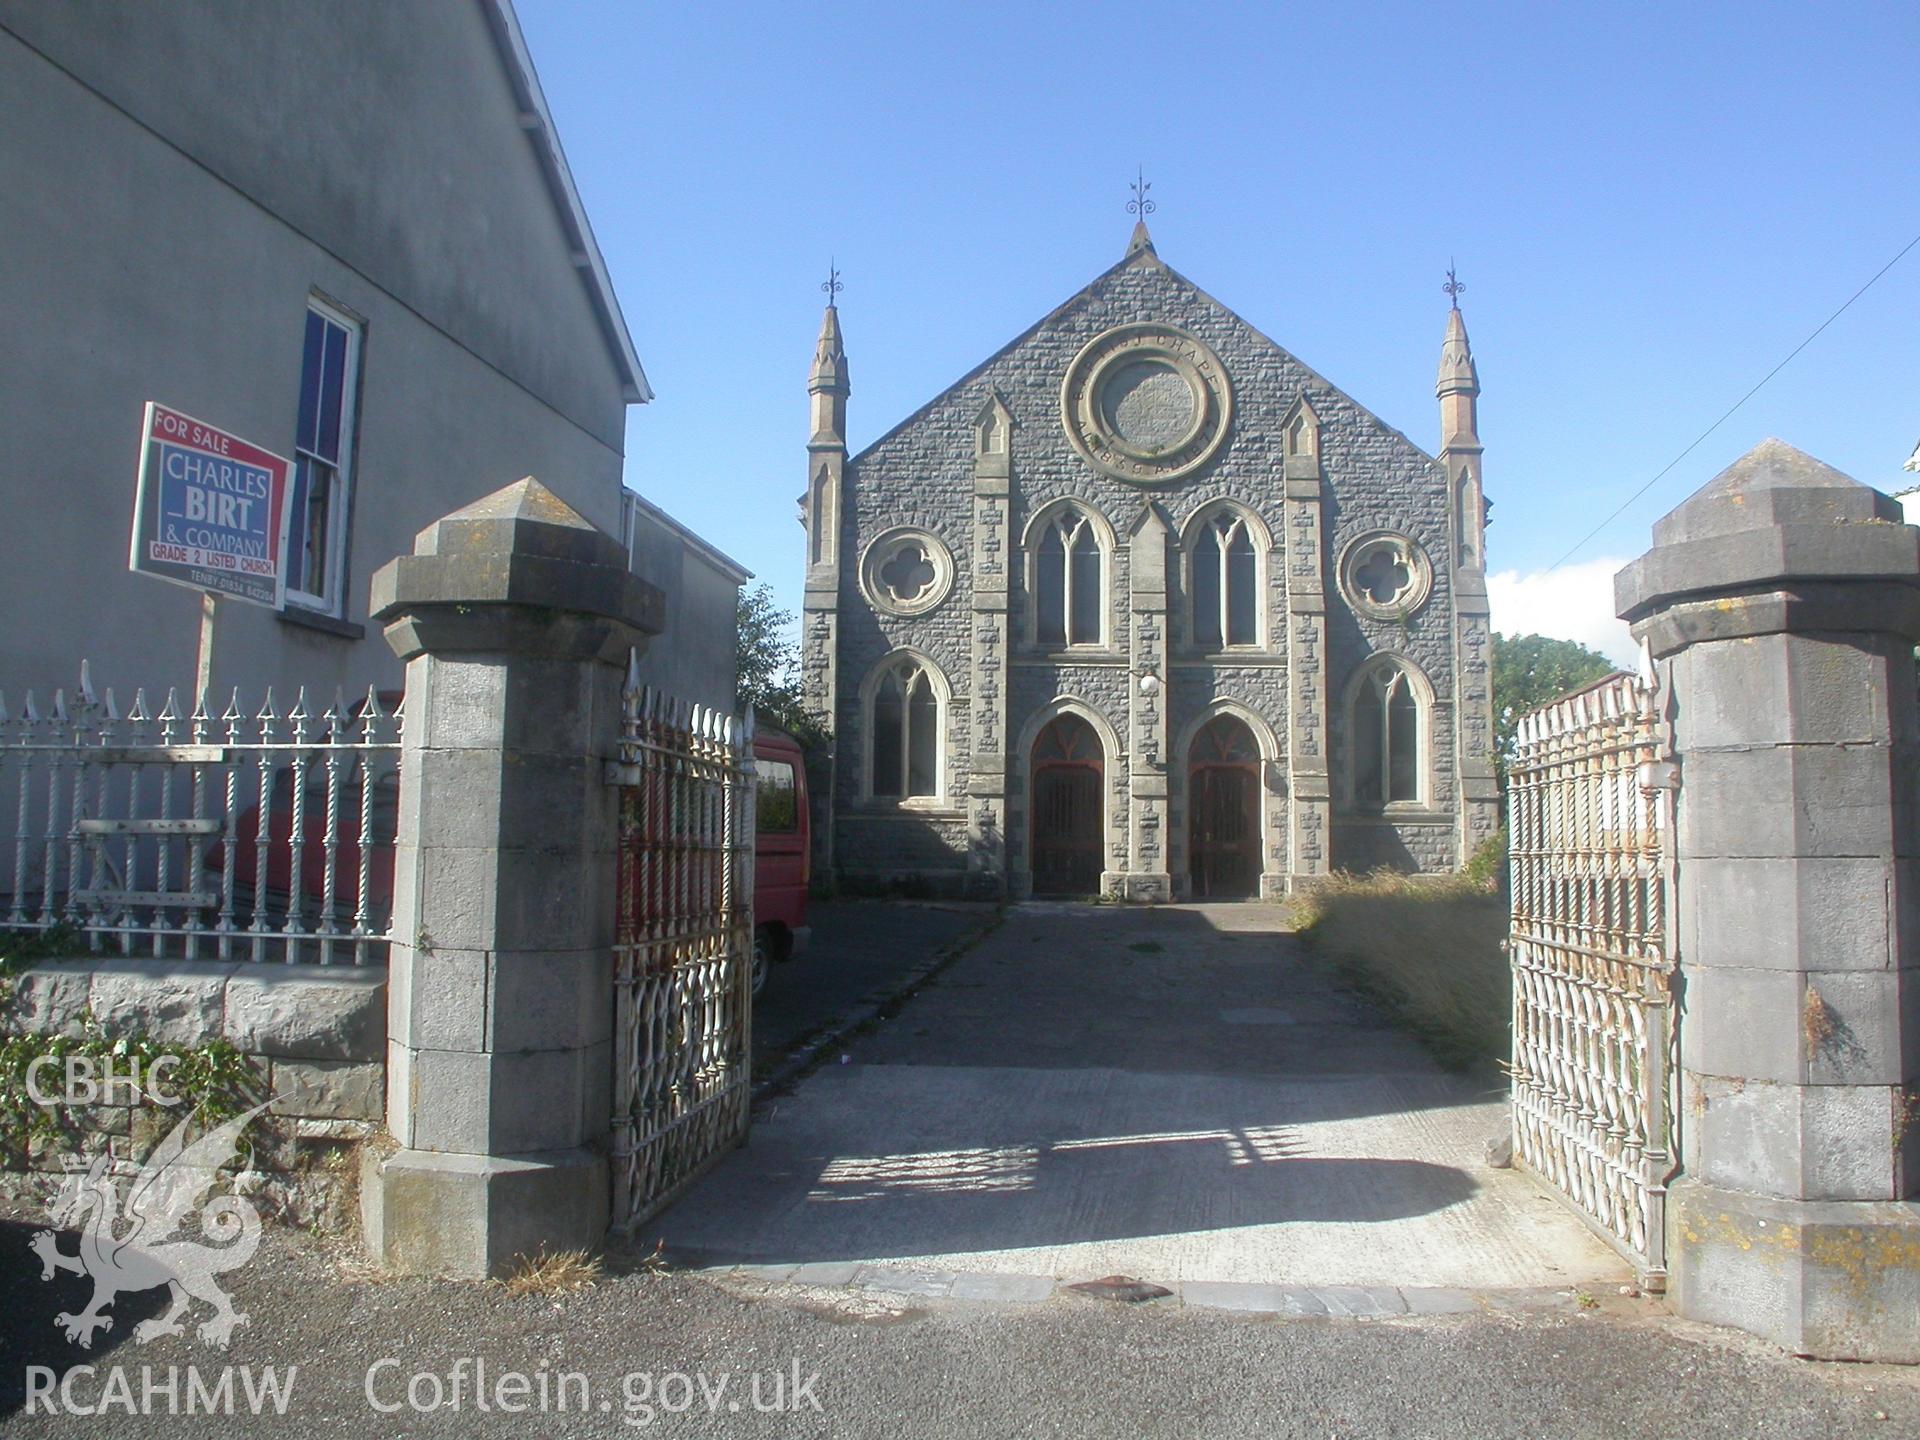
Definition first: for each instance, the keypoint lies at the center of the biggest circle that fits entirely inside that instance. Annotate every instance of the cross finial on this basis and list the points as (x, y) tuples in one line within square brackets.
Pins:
[(1453, 289), (1140, 205), (832, 283)]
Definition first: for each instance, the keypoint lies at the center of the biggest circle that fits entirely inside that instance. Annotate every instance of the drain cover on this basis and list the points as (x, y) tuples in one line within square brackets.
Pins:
[(1120, 1287)]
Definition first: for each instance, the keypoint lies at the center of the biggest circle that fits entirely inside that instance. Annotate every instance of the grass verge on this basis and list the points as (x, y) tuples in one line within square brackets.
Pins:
[(1427, 950)]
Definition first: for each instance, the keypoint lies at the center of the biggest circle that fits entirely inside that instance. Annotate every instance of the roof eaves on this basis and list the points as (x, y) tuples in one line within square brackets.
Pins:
[(713, 555), (537, 121)]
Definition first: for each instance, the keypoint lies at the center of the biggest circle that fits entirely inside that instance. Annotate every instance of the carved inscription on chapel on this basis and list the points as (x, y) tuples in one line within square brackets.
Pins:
[(1146, 403)]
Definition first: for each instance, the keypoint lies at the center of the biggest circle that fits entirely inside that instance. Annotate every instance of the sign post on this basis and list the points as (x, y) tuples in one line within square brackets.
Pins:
[(212, 513)]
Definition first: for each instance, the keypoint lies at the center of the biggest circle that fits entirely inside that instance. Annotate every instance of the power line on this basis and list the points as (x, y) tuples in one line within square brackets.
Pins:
[(1735, 406)]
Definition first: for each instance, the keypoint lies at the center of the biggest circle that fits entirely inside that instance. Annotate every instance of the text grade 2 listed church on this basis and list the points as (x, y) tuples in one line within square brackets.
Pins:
[(1144, 607)]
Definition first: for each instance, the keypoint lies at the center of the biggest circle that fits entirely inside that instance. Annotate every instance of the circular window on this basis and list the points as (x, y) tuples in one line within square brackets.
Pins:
[(1386, 575), (906, 572), (1146, 403)]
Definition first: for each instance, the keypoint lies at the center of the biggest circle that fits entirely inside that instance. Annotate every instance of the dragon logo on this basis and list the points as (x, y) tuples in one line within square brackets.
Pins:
[(172, 1184)]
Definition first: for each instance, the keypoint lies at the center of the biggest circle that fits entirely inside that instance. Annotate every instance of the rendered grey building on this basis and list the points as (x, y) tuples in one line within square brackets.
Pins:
[(1143, 606), (346, 232)]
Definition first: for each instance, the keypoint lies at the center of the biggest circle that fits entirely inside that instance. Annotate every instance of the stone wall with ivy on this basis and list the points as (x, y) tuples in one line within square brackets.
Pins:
[(308, 1040)]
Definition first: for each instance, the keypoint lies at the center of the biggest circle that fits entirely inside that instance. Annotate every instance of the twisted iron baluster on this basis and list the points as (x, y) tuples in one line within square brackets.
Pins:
[(263, 830)]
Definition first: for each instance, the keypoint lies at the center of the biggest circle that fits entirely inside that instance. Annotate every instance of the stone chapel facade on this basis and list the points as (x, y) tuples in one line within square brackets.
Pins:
[(1144, 607)]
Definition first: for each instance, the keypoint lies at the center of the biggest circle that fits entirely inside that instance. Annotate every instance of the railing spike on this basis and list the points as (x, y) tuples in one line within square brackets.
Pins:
[(86, 682), (266, 707), (29, 712), (111, 706), (4, 717), (633, 667), (233, 714), (139, 714), (60, 707)]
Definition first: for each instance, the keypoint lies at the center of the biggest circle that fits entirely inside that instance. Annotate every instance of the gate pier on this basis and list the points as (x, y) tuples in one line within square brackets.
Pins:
[(1782, 603), (516, 618)]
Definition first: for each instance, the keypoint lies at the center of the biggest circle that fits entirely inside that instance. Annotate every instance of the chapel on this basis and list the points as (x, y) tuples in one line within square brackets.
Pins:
[(1143, 607)]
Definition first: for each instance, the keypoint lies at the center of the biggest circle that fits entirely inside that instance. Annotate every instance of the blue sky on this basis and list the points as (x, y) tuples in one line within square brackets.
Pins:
[(1649, 205)]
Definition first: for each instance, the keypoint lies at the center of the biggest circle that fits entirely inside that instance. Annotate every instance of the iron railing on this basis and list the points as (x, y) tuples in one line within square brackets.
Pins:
[(253, 834), (1590, 827), (684, 954)]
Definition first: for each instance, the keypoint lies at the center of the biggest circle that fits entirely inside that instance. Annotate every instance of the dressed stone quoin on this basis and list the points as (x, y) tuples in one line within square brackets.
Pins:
[(1142, 606)]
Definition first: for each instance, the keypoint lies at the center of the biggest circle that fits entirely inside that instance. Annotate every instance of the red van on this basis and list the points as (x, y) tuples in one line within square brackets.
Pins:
[(782, 851)]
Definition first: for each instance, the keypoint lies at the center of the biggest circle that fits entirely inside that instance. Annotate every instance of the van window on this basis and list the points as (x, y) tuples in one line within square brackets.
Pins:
[(779, 813)]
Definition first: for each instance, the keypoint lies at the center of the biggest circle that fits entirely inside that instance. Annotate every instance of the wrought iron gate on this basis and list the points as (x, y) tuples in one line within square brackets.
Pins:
[(683, 1018), (1590, 817)]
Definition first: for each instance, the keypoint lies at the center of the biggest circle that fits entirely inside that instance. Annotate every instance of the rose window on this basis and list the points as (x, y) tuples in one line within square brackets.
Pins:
[(906, 571), (1382, 576), (909, 574), (1386, 575)]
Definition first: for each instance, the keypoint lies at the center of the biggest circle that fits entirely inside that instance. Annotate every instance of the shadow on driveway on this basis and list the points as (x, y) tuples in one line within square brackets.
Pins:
[(1181, 1093)]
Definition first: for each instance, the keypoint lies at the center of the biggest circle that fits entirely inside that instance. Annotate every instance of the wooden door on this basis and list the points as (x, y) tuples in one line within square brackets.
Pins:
[(1068, 816), (1223, 806)]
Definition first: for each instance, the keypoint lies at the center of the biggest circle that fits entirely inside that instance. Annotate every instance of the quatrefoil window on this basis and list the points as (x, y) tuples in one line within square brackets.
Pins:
[(908, 575), (1383, 576), (906, 571), (1386, 575)]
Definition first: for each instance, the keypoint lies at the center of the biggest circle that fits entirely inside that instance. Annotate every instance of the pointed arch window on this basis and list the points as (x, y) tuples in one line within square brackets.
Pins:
[(905, 711), (1069, 581), (1224, 583), (1388, 729)]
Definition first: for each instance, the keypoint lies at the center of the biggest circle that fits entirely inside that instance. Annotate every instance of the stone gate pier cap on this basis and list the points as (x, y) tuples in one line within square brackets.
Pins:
[(505, 573), (1776, 542)]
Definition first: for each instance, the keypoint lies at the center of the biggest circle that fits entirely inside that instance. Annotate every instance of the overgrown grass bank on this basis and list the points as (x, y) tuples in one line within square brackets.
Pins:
[(1427, 949)]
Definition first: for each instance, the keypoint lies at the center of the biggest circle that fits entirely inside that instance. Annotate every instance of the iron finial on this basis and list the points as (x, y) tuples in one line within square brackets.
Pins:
[(832, 283), (1140, 205), (1453, 288)]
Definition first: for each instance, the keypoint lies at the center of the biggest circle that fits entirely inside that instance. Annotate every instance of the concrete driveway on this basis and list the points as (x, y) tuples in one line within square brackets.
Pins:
[(862, 951), (1178, 1094)]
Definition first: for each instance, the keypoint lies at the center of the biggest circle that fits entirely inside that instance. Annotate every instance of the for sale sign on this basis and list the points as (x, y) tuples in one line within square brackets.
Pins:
[(211, 511)]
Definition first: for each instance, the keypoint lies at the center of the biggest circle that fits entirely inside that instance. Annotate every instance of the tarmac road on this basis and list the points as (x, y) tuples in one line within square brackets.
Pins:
[(890, 1350), (889, 1367)]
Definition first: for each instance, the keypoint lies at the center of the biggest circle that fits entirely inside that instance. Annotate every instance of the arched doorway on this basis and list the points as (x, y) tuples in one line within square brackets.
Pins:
[(1069, 767), (1223, 808)]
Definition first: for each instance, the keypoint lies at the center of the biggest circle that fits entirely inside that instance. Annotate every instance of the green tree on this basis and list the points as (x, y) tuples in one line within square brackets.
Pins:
[(768, 662), (1529, 671)]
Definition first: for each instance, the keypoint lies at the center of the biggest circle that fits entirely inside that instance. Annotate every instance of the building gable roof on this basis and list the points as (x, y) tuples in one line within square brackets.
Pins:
[(537, 121), (1140, 253)]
